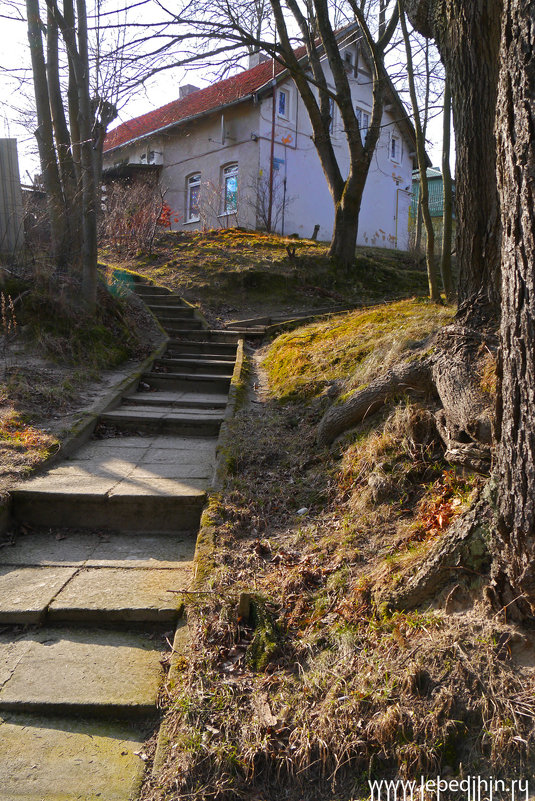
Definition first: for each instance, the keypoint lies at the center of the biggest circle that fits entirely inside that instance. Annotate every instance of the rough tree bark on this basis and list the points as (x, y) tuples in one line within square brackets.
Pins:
[(468, 38), (447, 216), (515, 563)]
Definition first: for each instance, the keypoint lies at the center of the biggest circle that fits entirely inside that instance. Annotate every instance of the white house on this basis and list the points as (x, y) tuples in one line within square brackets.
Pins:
[(211, 148)]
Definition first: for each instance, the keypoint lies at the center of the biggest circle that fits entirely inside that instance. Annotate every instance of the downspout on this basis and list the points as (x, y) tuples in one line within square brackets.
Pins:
[(272, 149)]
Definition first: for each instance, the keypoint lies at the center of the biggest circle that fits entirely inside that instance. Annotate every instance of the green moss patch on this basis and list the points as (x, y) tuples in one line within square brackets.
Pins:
[(350, 347)]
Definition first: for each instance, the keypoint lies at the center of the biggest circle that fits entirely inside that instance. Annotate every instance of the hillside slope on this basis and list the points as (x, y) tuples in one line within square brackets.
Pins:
[(302, 680)]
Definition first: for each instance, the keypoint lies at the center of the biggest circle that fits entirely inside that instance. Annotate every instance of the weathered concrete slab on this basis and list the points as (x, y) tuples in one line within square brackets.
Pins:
[(163, 420), (197, 444), (206, 384), (194, 400), (176, 470), (66, 549), (158, 488), (106, 595), (113, 444), (138, 412), (156, 505), (196, 364), (68, 760), (54, 508), (120, 550), (102, 465), (65, 671), (56, 548), (26, 592), (83, 483), (192, 458)]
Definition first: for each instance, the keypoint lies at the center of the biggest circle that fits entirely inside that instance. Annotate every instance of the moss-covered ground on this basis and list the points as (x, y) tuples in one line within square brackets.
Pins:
[(235, 274)]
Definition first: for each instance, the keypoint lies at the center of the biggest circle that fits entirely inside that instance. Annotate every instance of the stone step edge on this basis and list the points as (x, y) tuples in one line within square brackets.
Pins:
[(203, 559)]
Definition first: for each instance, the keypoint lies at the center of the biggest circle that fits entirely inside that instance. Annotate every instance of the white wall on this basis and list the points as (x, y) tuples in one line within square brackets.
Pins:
[(207, 145), (383, 218)]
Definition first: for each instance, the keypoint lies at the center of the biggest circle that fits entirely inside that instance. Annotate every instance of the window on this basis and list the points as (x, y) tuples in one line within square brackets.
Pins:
[(283, 103), (193, 188), (230, 189), (363, 119), (395, 148)]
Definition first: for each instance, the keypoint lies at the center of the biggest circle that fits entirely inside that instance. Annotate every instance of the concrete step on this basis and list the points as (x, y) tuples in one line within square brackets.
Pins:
[(142, 501), (172, 323), (206, 350), (187, 382), (150, 289), (57, 759), (178, 333), (170, 302), (154, 420), (176, 400), (205, 340), (81, 673), (91, 596), (194, 364)]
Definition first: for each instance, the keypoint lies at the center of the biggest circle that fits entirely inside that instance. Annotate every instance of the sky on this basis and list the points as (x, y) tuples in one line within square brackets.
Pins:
[(16, 98)]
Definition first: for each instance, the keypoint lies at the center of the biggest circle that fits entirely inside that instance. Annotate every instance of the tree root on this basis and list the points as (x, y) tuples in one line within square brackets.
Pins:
[(453, 374), (463, 548), (412, 376)]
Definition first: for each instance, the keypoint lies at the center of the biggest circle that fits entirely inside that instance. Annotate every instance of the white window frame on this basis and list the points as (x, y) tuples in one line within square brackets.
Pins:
[(229, 171), (287, 103), (192, 181), (360, 114), (395, 142)]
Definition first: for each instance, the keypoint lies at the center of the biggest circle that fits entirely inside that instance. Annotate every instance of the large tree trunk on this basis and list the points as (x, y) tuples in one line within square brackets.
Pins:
[(447, 193), (468, 36), (346, 221), (515, 573)]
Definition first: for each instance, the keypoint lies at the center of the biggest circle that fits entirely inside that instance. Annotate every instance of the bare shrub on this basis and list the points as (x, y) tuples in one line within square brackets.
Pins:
[(132, 215)]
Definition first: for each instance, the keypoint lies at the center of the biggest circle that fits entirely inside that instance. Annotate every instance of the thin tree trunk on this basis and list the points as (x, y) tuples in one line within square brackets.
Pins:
[(89, 196), (72, 96), (447, 212), (45, 137), (62, 137), (434, 292), (515, 576)]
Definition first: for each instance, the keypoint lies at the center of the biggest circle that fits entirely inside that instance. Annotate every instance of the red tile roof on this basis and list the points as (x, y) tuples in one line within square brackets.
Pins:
[(220, 94)]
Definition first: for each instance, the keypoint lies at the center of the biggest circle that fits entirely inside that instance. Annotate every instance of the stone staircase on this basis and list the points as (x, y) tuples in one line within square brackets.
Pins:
[(90, 587)]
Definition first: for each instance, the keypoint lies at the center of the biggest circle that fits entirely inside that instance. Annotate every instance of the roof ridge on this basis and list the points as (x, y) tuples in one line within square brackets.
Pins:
[(208, 98)]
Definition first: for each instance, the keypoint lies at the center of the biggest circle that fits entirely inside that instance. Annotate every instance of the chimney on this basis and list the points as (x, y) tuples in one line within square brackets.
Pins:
[(257, 58), (187, 89)]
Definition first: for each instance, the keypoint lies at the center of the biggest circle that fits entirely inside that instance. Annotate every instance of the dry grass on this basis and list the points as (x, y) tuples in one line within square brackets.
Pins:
[(50, 363), (297, 685)]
